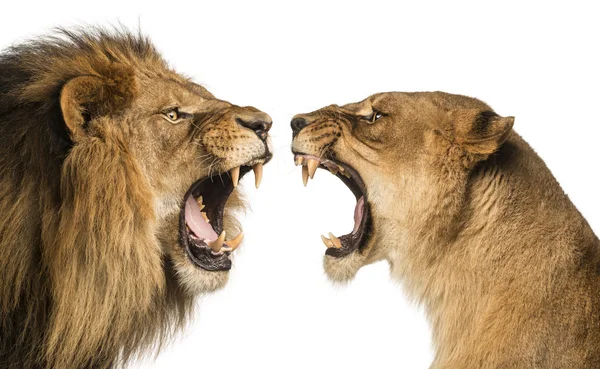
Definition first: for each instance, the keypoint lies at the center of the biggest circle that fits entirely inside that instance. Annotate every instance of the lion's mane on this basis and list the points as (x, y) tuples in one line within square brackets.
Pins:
[(82, 280)]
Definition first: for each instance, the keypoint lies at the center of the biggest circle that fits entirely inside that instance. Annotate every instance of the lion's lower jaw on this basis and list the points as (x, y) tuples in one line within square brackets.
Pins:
[(344, 269), (197, 281)]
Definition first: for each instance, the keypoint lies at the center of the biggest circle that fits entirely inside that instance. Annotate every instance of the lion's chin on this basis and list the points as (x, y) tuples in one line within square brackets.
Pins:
[(196, 281), (193, 278)]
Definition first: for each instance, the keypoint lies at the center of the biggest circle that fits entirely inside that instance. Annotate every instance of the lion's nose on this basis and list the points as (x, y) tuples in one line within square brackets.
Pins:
[(298, 123), (259, 122)]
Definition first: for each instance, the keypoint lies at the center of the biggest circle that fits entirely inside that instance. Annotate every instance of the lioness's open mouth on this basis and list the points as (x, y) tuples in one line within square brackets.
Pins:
[(357, 239), (201, 218)]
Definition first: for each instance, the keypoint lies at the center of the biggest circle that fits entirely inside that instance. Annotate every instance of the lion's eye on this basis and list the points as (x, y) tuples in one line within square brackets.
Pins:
[(172, 115)]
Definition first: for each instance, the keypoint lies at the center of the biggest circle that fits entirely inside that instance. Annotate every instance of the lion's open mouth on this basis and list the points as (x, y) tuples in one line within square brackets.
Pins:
[(201, 219), (356, 240)]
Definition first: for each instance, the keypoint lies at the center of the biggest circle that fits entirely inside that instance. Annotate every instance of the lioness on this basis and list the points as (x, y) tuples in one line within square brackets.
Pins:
[(117, 187), (470, 219)]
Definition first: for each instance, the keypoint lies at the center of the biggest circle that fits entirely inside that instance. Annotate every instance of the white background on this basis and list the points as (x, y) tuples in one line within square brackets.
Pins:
[(536, 62)]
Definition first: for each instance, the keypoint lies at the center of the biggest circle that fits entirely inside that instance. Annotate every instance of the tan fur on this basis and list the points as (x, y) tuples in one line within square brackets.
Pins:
[(475, 226), (92, 177)]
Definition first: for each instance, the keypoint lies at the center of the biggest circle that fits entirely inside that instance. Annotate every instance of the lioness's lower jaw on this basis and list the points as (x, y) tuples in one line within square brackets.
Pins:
[(201, 225), (347, 253), (343, 269)]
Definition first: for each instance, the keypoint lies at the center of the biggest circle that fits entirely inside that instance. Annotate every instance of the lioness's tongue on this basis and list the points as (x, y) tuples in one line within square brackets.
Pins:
[(196, 222), (358, 213)]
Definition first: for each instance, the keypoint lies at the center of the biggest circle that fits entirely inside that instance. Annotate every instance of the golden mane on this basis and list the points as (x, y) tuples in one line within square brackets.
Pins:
[(83, 283)]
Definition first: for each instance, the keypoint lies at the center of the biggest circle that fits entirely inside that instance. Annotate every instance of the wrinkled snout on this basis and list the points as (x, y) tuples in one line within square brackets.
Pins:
[(298, 123), (257, 121)]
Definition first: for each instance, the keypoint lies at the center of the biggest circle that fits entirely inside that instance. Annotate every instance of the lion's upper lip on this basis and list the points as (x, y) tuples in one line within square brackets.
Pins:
[(346, 244)]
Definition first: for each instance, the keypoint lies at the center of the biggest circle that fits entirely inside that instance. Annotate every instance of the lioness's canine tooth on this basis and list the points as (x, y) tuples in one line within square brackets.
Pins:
[(258, 171), (326, 241), (336, 241), (218, 243), (312, 167), (235, 176), (235, 242), (304, 175)]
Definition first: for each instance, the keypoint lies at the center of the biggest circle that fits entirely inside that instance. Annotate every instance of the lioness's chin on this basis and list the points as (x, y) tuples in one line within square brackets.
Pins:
[(343, 269)]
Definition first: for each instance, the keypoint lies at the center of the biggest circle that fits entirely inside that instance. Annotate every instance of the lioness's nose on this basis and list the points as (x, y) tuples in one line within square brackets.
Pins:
[(259, 122), (298, 123)]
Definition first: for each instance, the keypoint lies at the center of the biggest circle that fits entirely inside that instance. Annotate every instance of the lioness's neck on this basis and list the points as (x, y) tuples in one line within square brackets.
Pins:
[(474, 232)]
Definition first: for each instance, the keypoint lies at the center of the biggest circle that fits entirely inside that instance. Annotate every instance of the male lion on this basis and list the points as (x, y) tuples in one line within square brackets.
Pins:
[(470, 218), (117, 181)]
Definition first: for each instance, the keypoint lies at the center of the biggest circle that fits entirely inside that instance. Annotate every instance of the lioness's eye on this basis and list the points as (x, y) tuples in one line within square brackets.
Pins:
[(373, 117)]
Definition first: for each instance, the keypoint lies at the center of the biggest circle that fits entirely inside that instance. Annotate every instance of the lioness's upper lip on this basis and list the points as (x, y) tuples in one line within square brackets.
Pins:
[(349, 176)]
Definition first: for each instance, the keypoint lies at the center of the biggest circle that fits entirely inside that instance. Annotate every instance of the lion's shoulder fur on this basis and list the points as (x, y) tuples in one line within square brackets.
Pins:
[(64, 300)]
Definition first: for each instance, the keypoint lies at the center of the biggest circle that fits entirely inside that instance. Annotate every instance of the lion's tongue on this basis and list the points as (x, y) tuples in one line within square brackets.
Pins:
[(358, 213), (196, 222)]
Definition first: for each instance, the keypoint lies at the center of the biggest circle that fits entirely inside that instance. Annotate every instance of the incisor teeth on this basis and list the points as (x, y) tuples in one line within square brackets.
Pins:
[(304, 175), (326, 241), (299, 160), (258, 171), (205, 217), (200, 203), (312, 167), (234, 243), (218, 243), (336, 241), (235, 176)]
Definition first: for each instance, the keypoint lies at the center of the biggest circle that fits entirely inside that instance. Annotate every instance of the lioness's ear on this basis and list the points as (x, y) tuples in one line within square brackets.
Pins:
[(87, 97), (477, 131)]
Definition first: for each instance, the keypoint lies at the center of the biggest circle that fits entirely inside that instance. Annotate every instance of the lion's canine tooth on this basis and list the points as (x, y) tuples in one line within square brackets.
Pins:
[(326, 241), (304, 175), (258, 171), (217, 244), (235, 242), (336, 241), (312, 167), (299, 160), (235, 176)]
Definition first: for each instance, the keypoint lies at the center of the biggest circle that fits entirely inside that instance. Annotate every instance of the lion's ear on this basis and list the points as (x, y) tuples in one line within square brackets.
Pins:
[(479, 132), (84, 98), (79, 100)]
